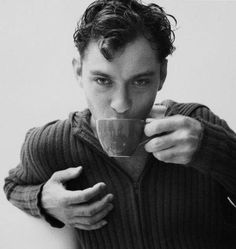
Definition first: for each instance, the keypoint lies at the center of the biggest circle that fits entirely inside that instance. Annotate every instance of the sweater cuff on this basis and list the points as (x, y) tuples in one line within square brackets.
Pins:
[(210, 148), (51, 220), (31, 203)]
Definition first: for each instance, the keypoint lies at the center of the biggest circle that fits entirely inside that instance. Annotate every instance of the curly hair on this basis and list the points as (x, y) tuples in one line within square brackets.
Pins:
[(114, 23)]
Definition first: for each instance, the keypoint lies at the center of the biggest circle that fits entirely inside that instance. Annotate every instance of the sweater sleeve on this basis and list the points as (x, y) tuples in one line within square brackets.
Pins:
[(24, 183), (216, 153)]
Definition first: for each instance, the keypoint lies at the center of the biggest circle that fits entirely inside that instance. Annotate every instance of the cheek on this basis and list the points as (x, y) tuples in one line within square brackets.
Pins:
[(97, 103), (143, 104)]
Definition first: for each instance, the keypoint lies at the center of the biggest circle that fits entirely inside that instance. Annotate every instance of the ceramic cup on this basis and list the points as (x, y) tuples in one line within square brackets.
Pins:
[(120, 137)]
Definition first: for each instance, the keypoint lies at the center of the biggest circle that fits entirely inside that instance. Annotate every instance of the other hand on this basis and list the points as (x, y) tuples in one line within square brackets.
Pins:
[(75, 207)]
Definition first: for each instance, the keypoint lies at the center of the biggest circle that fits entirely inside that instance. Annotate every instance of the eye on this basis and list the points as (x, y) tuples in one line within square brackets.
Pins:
[(141, 82), (102, 81)]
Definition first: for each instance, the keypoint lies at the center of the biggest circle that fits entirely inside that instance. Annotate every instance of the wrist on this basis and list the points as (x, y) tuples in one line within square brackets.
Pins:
[(54, 222)]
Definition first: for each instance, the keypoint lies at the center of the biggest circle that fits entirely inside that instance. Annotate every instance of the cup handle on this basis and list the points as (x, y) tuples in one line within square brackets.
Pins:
[(147, 139)]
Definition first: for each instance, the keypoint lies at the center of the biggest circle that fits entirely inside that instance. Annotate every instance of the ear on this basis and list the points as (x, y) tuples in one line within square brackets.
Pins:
[(77, 66), (163, 73)]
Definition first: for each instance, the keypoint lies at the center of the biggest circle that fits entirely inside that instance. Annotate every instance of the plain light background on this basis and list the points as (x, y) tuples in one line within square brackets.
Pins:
[(37, 84)]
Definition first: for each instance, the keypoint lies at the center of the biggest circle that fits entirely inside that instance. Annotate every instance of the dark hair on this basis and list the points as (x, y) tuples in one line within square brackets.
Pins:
[(114, 23)]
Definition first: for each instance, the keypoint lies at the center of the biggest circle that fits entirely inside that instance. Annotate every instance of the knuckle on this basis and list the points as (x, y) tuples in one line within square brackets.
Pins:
[(91, 212), (64, 201), (86, 213), (157, 129), (54, 175), (187, 135), (156, 142), (184, 136), (68, 215), (187, 122)]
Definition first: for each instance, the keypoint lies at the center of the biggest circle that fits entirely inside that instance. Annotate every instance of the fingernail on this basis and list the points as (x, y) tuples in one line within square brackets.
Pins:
[(110, 198), (149, 120), (103, 185), (104, 223)]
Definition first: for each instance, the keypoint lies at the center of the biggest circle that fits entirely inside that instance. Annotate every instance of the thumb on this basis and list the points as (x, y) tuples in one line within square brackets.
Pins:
[(157, 112), (67, 174)]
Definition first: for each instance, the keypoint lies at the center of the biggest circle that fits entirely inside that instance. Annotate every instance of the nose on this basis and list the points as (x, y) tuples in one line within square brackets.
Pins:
[(121, 102)]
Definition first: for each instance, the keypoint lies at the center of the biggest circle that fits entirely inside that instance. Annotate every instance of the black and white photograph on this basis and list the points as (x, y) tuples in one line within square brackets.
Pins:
[(118, 124)]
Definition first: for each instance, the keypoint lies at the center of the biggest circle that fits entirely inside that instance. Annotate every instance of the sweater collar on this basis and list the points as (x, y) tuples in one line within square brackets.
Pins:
[(80, 125), (80, 121)]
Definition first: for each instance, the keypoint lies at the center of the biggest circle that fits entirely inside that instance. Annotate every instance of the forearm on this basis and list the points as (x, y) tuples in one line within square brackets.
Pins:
[(24, 197), (216, 153), (24, 182), (28, 199)]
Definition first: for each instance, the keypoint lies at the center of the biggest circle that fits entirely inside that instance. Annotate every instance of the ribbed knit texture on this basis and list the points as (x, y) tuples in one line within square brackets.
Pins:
[(170, 206)]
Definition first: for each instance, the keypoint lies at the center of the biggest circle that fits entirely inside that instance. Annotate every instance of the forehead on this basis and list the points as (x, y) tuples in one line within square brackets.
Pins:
[(135, 56)]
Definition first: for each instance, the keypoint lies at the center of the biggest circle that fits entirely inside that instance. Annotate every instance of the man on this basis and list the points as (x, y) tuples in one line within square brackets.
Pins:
[(177, 191)]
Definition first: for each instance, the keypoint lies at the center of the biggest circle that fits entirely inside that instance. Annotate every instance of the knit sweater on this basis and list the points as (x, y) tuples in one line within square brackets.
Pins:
[(170, 206)]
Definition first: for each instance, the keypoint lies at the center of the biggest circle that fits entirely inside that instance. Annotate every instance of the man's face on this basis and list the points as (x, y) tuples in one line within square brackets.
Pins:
[(125, 87)]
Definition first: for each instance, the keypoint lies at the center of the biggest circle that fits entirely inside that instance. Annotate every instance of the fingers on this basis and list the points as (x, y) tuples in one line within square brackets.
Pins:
[(173, 139), (90, 227), (91, 216), (98, 217), (158, 126), (67, 174), (93, 208), (158, 111), (174, 155), (160, 143), (81, 196)]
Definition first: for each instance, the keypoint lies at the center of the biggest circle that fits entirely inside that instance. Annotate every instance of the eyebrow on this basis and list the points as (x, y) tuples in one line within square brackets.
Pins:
[(138, 75)]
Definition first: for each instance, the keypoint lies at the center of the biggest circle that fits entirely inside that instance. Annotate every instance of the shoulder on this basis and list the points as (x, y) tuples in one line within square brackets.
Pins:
[(47, 149), (56, 130), (50, 130), (194, 110), (187, 109), (48, 144)]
